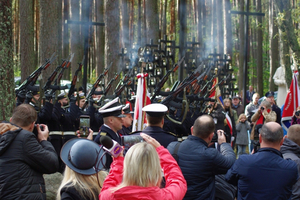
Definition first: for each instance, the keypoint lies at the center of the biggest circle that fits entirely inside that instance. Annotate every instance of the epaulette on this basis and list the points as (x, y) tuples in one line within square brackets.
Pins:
[(103, 133), (134, 132)]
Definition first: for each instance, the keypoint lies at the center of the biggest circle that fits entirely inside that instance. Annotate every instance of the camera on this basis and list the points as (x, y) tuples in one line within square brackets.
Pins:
[(297, 113), (262, 108), (129, 140), (257, 131), (84, 125), (215, 137), (256, 145), (35, 131)]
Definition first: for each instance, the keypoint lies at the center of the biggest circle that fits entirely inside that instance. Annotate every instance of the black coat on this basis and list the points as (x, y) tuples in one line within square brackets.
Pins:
[(23, 161), (68, 193)]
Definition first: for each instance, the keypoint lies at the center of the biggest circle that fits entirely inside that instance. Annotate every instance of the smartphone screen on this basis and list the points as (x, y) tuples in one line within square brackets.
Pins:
[(84, 125), (129, 140)]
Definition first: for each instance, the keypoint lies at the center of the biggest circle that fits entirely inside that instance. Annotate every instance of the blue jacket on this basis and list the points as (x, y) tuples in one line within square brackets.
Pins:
[(199, 165), (263, 175)]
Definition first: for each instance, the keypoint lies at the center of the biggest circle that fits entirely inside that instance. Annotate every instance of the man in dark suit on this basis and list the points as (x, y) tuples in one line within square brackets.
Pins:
[(155, 113)]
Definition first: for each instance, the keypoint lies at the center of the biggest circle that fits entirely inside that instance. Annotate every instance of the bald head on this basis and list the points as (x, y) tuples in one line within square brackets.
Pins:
[(271, 132), (294, 133), (203, 126)]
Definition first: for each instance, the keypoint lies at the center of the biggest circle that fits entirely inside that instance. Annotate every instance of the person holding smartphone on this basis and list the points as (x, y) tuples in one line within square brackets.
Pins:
[(263, 115), (138, 175)]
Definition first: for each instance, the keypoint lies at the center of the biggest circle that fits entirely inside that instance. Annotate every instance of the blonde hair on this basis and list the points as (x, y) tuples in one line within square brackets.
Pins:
[(242, 115), (141, 167), (86, 185)]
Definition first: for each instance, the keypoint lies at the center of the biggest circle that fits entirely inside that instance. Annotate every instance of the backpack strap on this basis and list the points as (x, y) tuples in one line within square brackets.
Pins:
[(174, 154)]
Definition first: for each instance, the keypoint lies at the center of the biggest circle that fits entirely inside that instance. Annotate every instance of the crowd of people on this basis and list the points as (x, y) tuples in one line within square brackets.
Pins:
[(213, 162)]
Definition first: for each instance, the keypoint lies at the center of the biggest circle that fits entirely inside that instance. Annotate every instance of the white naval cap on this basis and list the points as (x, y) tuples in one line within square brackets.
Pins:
[(155, 109), (126, 109), (112, 108)]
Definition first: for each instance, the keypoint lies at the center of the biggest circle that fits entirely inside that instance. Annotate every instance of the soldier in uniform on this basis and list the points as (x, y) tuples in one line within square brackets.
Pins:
[(61, 126), (112, 118), (127, 120), (155, 121), (44, 113)]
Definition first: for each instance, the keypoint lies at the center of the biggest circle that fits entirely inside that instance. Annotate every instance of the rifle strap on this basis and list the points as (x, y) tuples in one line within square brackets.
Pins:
[(185, 107)]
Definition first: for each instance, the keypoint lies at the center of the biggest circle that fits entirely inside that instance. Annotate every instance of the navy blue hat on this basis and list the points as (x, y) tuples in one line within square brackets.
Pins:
[(270, 94), (83, 156)]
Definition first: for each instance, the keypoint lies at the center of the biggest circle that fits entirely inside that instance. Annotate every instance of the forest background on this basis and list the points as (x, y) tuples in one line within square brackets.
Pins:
[(31, 30)]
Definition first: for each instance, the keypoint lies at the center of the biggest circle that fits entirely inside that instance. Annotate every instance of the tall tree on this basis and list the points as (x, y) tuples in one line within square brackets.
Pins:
[(151, 20), (259, 51), (112, 31), (227, 28), (27, 56), (49, 22), (220, 27), (6, 65), (76, 39), (241, 46), (273, 41), (100, 37), (285, 23)]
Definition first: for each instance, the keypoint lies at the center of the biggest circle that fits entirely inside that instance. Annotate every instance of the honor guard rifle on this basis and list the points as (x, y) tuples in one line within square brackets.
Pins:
[(89, 97), (56, 85), (165, 78), (28, 84), (73, 83), (51, 78)]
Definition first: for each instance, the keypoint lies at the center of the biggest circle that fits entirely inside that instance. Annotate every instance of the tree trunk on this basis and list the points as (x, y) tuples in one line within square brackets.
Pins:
[(228, 28), (100, 37), (7, 93), (27, 54), (49, 22), (286, 25), (273, 41), (112, 31), (151, 20), (259, 51), (75, 36), (220, 27), (242, 47), (125, 24), (65, 37)]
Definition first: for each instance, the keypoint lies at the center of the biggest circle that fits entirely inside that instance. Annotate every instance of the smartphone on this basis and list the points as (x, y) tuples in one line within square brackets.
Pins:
[(84, 125), (129, 140)]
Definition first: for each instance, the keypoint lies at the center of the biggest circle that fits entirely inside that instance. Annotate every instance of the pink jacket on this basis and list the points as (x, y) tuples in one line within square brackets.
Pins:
[(175, 183)]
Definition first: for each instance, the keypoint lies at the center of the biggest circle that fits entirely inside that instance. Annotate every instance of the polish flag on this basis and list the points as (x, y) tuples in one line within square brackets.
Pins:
[(292, 101), (142, 99)]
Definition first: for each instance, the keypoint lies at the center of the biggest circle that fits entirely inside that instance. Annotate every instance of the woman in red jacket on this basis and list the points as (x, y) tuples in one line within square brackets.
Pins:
[(142, 174)]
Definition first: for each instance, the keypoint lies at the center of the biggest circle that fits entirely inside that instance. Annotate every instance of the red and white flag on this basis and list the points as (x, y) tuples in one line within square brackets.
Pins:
[(142, 99), (292, 101)]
